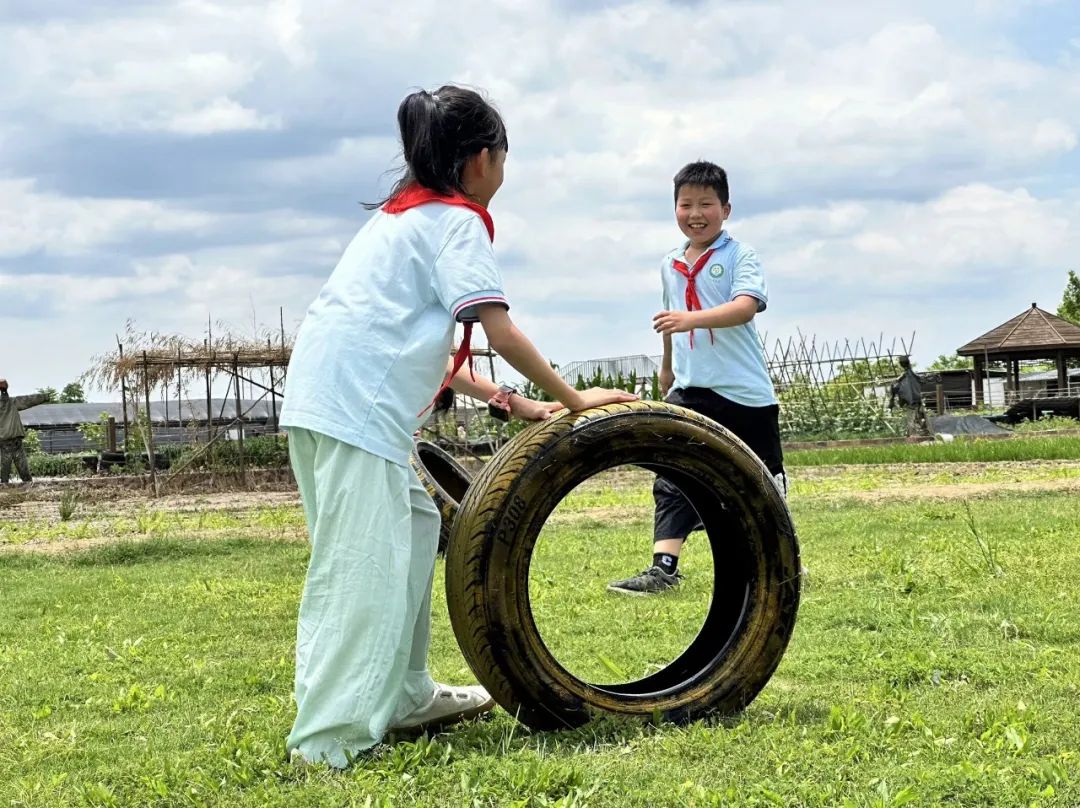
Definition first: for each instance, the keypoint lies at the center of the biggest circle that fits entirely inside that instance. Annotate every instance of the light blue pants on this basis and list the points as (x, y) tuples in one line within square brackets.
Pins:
[(365, 615)]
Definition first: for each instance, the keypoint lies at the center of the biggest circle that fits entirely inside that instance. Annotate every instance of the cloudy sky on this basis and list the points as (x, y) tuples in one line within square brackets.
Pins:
[(910, 167)]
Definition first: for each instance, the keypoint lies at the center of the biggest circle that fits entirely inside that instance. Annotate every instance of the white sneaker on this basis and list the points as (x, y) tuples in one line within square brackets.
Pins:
[(448, 705)]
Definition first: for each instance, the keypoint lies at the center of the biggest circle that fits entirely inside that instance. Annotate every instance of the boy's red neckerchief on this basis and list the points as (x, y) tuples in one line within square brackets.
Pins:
[(413, 196), (693, 303)]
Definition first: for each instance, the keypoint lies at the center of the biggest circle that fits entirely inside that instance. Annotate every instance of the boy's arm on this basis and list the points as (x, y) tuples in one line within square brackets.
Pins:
[(667, 373), (739, 311), (748, 297)]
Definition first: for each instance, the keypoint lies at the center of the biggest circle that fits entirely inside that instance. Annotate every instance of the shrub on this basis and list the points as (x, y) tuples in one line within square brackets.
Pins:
[(260, 451), (69, 501), (94, 433), (32, 442), (50, 465)]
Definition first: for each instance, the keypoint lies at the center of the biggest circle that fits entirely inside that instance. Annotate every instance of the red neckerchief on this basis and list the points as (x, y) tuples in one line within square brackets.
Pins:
[(411, 197), (693, 303)]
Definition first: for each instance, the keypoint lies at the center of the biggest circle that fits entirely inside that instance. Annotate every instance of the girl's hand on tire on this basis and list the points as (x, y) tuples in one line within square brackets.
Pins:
[(598, 397), (528, 409)]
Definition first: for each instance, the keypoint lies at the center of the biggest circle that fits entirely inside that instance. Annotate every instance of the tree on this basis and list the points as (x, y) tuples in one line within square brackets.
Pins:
[(954, 362), (73, 394), (49, 393), (1070, 301), (854, 376)]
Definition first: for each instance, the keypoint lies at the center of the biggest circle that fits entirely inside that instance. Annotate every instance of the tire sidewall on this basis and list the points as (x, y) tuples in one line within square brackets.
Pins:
[(543, 468)]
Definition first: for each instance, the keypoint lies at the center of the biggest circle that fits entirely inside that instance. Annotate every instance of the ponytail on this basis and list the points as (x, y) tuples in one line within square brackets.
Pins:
[(440, 131), (423, 144)]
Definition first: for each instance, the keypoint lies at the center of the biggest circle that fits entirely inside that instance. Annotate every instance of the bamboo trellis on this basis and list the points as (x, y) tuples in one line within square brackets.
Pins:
[(147, 363)]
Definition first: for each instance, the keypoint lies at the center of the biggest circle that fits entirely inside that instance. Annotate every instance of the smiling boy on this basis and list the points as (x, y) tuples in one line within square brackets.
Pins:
[(713, 361)]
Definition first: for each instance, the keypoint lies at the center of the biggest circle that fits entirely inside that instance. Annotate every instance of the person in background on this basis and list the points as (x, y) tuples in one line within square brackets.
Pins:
[(908, 391), (12, 432)]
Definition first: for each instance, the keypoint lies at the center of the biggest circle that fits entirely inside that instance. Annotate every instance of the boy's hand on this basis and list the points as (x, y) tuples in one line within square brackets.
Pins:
[(528, 409), (673, 322), (667, 378)]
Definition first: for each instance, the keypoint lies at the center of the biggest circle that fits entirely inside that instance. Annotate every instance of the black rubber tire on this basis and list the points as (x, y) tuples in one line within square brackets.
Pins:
[(755, 560), (445, 480)]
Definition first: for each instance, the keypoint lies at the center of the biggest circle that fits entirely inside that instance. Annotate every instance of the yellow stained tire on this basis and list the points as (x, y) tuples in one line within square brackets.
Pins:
[(446, 481), (755, 560)]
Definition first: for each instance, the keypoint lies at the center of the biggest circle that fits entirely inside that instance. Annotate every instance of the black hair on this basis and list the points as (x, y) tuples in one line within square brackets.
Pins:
[(444, 401), (707, 175), (439, 132)]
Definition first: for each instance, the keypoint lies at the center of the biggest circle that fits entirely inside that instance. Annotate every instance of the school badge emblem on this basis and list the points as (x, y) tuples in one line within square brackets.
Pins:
[(716, 270)]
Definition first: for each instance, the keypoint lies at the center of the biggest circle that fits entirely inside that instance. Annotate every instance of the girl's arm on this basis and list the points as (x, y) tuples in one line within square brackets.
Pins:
[(477, 386), (483, 389), (513, 346)]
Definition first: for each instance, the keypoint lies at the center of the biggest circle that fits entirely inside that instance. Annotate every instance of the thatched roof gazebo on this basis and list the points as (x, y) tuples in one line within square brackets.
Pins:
[(1033, 334)]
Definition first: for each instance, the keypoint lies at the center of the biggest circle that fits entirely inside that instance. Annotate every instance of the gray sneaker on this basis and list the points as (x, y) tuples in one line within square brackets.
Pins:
[(649, 582)]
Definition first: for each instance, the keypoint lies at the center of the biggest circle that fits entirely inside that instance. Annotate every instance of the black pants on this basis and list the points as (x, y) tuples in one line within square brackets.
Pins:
[(12, 450), (757, 427)]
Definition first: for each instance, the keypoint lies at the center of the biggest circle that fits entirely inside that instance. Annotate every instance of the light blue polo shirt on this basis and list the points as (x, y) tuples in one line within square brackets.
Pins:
[(733, 363), (373, 347)]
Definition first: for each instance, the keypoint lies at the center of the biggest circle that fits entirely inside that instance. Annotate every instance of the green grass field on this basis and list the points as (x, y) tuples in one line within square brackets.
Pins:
[(963, 450), (936, 661)]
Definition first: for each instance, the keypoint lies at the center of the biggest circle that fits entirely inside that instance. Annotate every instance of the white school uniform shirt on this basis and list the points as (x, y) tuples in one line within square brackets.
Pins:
[(732, 363), (373, 347)]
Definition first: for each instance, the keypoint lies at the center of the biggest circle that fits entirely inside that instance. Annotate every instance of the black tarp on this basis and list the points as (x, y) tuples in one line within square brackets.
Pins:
[(964, 425)]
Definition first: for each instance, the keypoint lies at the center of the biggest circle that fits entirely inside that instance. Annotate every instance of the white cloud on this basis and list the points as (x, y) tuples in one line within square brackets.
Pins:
[(948, 268), (176, 71), (348, 157), (221, 115), (32, 221), (973, 234), (177, 291), (284, 20), (1053, 137), (882, 156)]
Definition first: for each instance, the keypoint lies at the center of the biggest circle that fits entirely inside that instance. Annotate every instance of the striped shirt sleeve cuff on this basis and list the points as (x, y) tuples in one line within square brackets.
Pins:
[(465, 307), (762, 301)]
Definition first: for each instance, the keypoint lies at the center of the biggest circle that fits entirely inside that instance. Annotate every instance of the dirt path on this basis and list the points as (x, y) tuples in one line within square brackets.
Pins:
[(1018, 467), (104, 512), (47, 509), (957, 490), (62, 547)]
